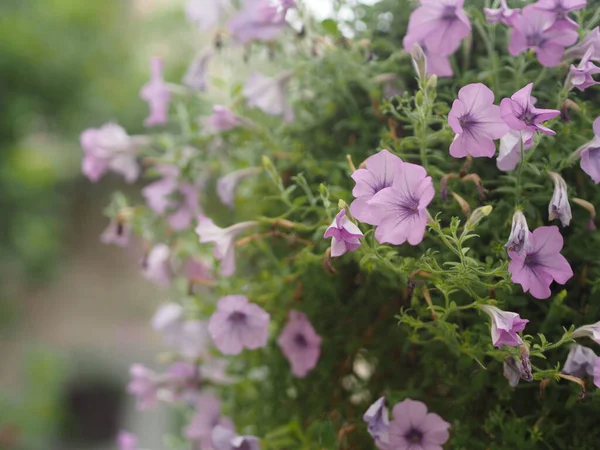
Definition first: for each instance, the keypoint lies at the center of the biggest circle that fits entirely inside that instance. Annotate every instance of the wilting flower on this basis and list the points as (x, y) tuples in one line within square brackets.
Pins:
[(503, 14), (519, 114), (268, 94), (238, 324), (590, 154), (156, 266), (592, 331), (533, 29), (505, 326), (518, 241), (258, 20), (344, 233), (591, 40), (196, 75), (509, 154), (206, 14), (378, 421), (224, 239), (222, 119), (580, 361), (226, 439), (580, 76), (412, 427), (538, 266), (379, 172), (561, 9), (300, 344), (144, 386), (402, 215), (226, 185), (438, 25), (476, 121), (512, 371), (127, 441), (559, 207), (157, 94), (117, 232), (109, 148), (207, 417)]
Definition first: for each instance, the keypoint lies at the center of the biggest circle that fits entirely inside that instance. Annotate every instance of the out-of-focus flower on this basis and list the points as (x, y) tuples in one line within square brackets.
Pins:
[(518, 241), (509, 154), (378, 422), (559, 207), (597, 373), (503, 14), (156, 266), (435, 64), (592, 331), (512, 371), (561, 10), (258, 20), (207, 417), (580, 361), (226, 439), (238, 324), (476, 121), (412, 427), (300, 344), (117, 232), (505, 326), (590, 154), (538, 267), (206, 14), (197, 270), (157, 94), (222, 119), (269, 94), (227, 184), (189, 337), (143, 385), (344, 233), (591, 40), (127, 441), (580, 76), (182, 380), (197, 73)]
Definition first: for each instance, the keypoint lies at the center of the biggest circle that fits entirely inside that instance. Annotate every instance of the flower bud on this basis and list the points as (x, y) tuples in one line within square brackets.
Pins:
[(478, 214), (419, 61), (525, 364), (559, 207), (431, 83), (518, 241)]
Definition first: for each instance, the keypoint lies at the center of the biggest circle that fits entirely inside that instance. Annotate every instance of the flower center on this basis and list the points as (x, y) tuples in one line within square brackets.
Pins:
[(237, 317), (466, 121), (300, 340), (414, 436), (449, 12), (535, 39), (528, 117)]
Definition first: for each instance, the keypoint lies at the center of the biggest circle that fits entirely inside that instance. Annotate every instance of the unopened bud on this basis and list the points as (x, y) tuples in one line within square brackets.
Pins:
[(478, 214), (559, 207), (419, 61), (518, 241), (431, 83)]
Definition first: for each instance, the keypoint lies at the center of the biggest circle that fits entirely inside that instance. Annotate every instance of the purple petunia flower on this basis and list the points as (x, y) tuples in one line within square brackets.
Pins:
[(580, 361), (509, 154), (413, 428), (157, 94), (476, 121), (505, 326), (580, 76), (503, 14), (533, 29), (224, 239), (109, 148), (561, 10), (378, 422), (238, 324), (258, 20), (590, 154), (402, 214), (378, 174), (518, 241), (143, 385), (559, 207), (195, 77), (592, 331), (156, 266), (207, 417), (537, 267), (189, 337), (127, 441), (227, 184), (117, 232), (300, 344), (226, 439), (222, 119), (519, 114), (197, 270), (206, 14), (346, 235), (268, 94), (438, 25), (591, 40)]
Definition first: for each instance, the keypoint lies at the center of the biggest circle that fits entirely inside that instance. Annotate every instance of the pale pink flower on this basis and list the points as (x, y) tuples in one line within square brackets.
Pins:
[(561, 10), (503, 14), (505, 326), (580, 76), (269, 94), (413, 428), (300, 344), (157, 94), (590, 154), (344, 233)]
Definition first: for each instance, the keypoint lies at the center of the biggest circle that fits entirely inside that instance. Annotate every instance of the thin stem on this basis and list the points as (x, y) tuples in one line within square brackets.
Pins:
[(520, 172)]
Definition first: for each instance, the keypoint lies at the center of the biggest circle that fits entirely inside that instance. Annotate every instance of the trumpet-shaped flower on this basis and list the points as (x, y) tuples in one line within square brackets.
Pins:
[(143, 385), (269, 94), (258, 20), (412, 427), (580, 76), (590, 154), (509, 154), (580, 361), (157, 94), (512, 371), (227, 184), (591, 40), (344, 233), (226, 439), (222, 119), (539, 266), (505, 326), (592, 331), (503, 14), (196, 75), (476, 121), (156, 266), (300, 344), (561, 10), (518, 241), (559, 207), (378, 422)]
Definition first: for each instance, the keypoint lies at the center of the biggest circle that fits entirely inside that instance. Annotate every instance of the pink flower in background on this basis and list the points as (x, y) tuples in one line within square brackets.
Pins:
[(505, 326), (503, 14), (222, 119), (189, 337), (269, 94), (379, 172), (207, 417), (227, 184), (476, 121), (157, 94), (539, 266), (559, 207), (413, 428), (127, 441), (258, 20), (533, 29), (238, 324), (344, 233), (440, 25), (435, 64), (590, 154), (182, 380), (591, 40), (509, 153), (300, 344), (591, 331), (580, 76), (109, 148), (580, 361), (224, 240), (561, 10), (226, 439), (206, 13), (117, 232), (197, 73), (156, 266), (378, 422), (597, 373), (519, 114), (402, 214), (197, 270), (143, 385)]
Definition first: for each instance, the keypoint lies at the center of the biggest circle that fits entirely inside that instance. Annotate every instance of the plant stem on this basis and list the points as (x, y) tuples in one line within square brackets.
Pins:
[(520, 172)]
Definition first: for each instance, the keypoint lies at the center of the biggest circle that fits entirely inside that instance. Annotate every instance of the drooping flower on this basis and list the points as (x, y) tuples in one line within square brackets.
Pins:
[(519, 114), (222, 119), (224, 239), (413, 428), (537, 267), (518, 241), (402, 214), (238, 324), (534, 29), (580, 76), (344, 233), (109, 148), (227, 184), (580, 361), (156, 266), (509, 154), (206, 14), (512, 371), (157, 94), (258, 20), (559, 207), (592, 331), (207, 417), (505, 326), (379, 172), (143, 385), (226, 439), (439, 25), (378, 421), (300, 344), (590, 154), (196, 75), (189, 337), (269, 94), (591, 40), (503, 14), (117, 232), (561, 10), (476, 121), (127, 441)]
